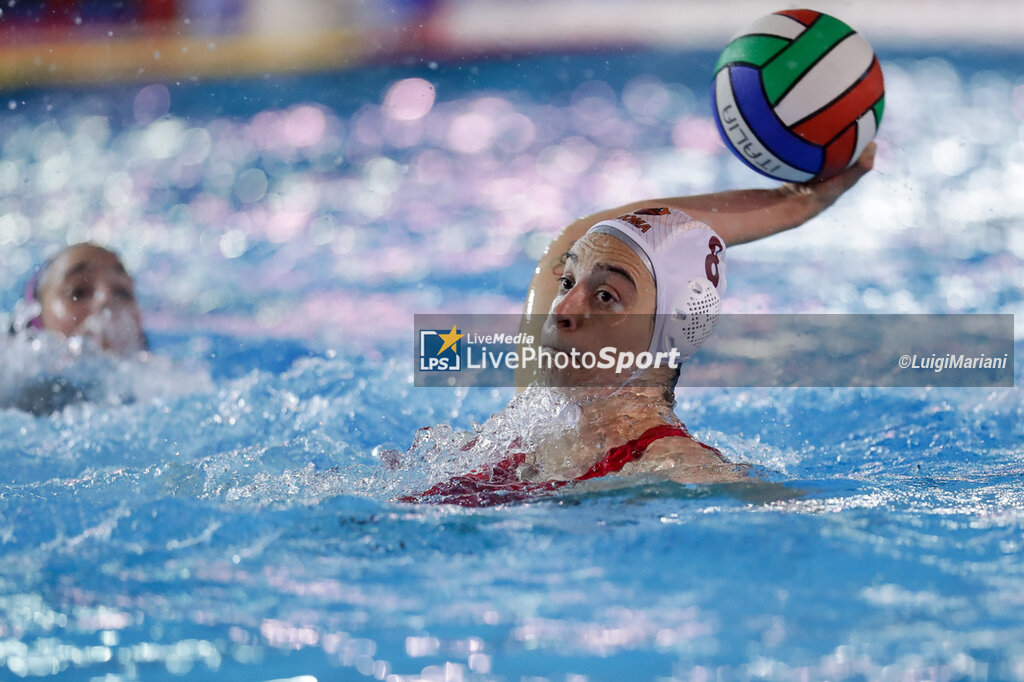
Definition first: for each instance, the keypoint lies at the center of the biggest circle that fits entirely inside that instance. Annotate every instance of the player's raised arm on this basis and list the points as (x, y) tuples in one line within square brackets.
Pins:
[(738, 216), (745, 215)]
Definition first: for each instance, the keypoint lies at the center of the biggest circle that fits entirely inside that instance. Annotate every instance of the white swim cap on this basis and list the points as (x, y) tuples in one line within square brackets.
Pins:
[(686, 258)]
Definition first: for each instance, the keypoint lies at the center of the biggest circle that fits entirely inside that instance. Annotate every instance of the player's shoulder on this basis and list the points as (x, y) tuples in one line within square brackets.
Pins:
[(682, 449), (686, 460)]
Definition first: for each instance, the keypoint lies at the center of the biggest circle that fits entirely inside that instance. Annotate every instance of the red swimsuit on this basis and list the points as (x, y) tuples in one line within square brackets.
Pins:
[(500, 483)]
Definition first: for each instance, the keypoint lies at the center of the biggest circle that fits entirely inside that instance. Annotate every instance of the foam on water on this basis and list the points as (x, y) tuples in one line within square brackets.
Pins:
[(43, 373), (223, 508)]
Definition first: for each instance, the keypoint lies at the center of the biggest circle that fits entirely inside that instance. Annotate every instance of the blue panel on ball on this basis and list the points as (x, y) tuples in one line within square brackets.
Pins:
[(794, 150), (721, 131)]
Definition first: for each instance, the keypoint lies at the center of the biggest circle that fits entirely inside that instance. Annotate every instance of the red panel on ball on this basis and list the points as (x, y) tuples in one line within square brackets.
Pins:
[(838, 154), (826, 124), (804, 16)]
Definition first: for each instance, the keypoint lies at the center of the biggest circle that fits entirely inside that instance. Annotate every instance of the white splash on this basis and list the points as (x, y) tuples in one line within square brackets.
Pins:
[(43, 373)]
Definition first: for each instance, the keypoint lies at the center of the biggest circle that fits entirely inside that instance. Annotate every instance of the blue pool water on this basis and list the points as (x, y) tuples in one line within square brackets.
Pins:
[(228, 515)]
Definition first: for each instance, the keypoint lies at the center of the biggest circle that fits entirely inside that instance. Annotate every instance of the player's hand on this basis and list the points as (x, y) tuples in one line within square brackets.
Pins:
[(828, 190)]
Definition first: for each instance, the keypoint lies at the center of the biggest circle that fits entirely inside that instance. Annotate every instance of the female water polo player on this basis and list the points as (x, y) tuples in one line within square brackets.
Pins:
[(83, 291), (83, 295), (616, 278)]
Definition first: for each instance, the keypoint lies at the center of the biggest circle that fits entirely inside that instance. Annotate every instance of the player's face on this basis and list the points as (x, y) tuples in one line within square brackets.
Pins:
[(606, 298), (87, 292)]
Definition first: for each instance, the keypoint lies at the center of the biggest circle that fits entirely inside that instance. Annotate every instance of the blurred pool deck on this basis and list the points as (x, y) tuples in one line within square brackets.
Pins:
[(251, 37)]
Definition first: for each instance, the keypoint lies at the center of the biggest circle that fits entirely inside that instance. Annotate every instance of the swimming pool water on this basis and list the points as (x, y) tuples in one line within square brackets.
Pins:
[(235, 520)]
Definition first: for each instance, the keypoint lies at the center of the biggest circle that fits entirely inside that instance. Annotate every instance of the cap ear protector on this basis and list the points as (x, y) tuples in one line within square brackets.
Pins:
[(694, 317), (32, 295), (686, 259), (28, 311)]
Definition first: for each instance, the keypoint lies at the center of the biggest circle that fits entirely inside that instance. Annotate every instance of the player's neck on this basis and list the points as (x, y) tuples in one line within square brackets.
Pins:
[(613, 415)]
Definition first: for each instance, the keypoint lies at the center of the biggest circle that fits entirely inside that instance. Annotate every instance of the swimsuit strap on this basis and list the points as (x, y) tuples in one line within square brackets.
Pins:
[(633, 450)]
